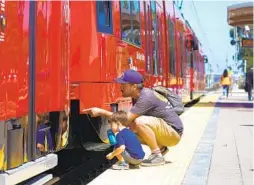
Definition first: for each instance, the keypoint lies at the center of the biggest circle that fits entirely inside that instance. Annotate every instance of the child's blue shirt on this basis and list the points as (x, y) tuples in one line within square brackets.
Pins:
[(132, 145)]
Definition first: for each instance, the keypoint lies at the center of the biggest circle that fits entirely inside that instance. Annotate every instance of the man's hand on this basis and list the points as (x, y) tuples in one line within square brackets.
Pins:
[(94, 112), (110, 156)]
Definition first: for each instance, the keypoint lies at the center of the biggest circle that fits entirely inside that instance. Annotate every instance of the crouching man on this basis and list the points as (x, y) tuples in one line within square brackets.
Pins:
[(152, 118)]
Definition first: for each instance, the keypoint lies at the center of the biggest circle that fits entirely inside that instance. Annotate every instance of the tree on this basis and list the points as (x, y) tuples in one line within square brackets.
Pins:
[(244, 53)]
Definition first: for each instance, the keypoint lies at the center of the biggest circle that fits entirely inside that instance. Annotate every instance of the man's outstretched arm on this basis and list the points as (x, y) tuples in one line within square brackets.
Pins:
[(94, 112)]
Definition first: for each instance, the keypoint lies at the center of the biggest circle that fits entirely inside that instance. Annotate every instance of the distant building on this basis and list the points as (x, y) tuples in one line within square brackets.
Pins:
[(240, 16)]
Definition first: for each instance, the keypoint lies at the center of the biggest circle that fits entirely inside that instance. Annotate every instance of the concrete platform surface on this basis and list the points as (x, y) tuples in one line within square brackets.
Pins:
[(178, 158), (216, 149)]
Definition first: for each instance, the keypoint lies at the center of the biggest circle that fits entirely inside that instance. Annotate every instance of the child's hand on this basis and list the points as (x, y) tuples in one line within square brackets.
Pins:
[(110, 156)]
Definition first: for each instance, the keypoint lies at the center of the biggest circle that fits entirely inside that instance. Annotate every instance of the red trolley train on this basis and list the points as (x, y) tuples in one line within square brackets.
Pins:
[(60, 57)]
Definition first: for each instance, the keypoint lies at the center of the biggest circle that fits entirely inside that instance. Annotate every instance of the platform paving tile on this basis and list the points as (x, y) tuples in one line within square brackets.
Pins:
[(232, 161), (198, 170)]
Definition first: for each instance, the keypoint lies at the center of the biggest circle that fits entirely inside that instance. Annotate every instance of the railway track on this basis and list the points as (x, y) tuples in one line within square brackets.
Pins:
[(79, 166)]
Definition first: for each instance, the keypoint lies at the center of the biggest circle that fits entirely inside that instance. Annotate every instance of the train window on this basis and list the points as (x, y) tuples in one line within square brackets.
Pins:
[(104, 16), (136, 22), (182, 50), (154, 38), (171, 34), (126, 20), (149, 38), (130, 21)]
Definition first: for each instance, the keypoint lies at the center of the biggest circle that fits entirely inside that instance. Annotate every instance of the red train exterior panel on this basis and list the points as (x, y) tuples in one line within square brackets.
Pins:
[(51, 58)]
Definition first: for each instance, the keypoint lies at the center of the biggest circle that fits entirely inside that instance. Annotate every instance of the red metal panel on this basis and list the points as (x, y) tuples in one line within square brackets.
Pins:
[(23, 59), (101, 95), (12, 52), (2, 83), (108, 49), (2, 68), (51, 57), (43, 56), (85, 62)]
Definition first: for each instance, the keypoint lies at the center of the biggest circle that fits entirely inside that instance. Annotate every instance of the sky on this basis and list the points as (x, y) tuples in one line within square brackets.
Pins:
[(209, 21)]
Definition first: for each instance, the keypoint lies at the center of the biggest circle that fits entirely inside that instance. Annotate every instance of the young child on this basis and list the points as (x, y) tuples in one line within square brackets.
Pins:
[(128, 149)]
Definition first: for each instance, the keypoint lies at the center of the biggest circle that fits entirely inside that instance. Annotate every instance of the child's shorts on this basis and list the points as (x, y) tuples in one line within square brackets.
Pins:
[(127, 157)]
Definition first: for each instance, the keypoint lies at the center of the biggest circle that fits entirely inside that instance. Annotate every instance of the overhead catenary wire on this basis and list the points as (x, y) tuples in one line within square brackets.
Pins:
[(203, 33)]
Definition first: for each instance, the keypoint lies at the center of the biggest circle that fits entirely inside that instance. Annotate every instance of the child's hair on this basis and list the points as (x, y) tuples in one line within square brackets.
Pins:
[(119, 116)]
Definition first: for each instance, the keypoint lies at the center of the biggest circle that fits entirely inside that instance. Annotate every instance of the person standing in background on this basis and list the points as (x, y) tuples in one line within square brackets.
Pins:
[(249, 83), (225, 81)]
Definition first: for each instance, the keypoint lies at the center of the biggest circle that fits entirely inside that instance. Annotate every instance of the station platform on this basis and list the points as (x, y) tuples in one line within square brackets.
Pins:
[(216, 148), (237, 98)]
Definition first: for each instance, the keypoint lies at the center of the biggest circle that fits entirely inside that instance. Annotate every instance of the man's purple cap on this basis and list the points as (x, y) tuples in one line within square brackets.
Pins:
[(130, 77)]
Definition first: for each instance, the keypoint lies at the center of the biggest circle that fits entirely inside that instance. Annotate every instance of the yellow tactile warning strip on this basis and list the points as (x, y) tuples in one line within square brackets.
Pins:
[(211, 98), (178, 158)]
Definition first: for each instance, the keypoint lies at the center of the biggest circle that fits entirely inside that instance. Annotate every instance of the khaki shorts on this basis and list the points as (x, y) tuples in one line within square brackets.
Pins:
[(164, 133)]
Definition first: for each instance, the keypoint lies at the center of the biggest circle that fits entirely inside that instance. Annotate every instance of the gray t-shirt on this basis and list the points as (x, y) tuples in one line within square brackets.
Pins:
[(151, 103)]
